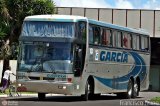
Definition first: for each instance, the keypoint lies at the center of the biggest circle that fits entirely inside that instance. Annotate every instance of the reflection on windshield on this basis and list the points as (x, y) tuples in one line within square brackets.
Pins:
[(32, 52), (48, 29), (59, 51), (55, 56)]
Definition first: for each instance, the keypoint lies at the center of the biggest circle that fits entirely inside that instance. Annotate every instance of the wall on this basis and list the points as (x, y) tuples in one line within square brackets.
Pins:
[(13, 64), (134, 18)]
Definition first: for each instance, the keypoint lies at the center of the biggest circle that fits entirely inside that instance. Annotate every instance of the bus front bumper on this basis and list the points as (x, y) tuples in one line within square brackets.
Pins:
[(58, 87)]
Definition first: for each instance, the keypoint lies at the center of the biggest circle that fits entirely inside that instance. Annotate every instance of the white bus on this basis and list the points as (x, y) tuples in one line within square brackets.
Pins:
[(74, 55)]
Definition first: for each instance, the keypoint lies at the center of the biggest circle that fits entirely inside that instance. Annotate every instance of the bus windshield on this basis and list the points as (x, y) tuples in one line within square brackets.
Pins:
[(46, 57), (48, 29)]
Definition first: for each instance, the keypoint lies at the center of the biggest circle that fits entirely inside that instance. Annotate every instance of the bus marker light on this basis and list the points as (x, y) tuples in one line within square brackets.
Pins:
[(64, 87), (77, 86), (60, 87)]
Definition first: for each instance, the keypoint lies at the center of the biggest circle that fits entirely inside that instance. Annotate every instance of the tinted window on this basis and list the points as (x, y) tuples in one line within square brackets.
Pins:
[(136, 42), (144, 43), (117, 36), (106, 37), (119, 39), (91, 34), (82, 31), (126, 40), (114, 38), (96, 35)]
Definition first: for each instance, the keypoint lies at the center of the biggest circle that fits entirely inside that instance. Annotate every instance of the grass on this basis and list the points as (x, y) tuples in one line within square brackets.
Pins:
[(156, 100), (6, 92)]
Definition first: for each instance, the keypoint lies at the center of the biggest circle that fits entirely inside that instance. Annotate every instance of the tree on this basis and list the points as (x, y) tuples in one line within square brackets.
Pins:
[(4, 20), (19, 9), (12, 14)]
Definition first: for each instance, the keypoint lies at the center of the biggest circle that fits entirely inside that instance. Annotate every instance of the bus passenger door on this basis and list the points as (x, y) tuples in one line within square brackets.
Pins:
[(80, 48), (79, 59)]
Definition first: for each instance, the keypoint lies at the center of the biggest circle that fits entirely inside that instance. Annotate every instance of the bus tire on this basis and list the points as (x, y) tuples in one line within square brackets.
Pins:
[(129, 92), (89, 92), (41, 96), (135, 90)]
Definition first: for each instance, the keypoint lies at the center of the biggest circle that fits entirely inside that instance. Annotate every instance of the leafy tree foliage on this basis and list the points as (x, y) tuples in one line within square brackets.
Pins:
[(19, 9), (4, 17), (13, 13)]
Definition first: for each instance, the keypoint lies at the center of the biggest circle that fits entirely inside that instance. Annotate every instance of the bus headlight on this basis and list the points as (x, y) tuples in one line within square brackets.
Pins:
[(62, 87)]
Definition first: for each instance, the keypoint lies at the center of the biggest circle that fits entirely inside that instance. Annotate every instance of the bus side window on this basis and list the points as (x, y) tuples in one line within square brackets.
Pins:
[(129, 41), (134, 42), (144, 43), (82, 31), (90, 34), (96, 35), (119, 39), (106, 37), (126, 40), (110, 37), (114, 38), (138, 42)]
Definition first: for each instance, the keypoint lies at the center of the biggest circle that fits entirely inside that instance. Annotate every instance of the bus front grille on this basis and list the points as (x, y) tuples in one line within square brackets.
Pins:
[(34, 78), (38, 78), (46, 78)]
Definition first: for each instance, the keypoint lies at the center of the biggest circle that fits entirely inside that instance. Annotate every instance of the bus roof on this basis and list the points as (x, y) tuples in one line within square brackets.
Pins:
[(71, 18), (58, 18), (118, 27)]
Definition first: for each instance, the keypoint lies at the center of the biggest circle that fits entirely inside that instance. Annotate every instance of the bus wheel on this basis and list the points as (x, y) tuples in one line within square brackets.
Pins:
[(129, 93), (129, 89), (41, 96), (88, 91), (135, 90)]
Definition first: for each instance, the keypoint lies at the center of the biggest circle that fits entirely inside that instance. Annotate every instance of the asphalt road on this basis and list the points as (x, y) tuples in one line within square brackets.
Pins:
[(103, 100)]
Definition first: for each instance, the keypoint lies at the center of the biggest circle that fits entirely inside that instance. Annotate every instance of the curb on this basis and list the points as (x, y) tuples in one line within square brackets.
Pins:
[(5, 95), (33, 95)]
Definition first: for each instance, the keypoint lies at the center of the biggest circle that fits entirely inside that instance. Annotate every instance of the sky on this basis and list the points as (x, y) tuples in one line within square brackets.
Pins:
[(119, 4)]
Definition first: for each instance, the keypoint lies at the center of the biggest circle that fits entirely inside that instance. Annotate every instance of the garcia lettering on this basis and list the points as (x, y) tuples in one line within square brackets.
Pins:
[(114, 56)]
